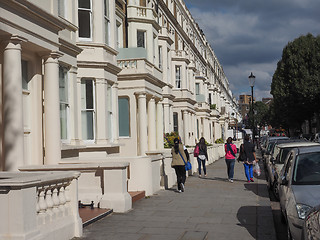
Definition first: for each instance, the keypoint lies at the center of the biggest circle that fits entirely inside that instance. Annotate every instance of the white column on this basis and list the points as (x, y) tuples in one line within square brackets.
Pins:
[(12, 105), (185, 126), (166, 114), (51, 109), (159, 126), (190, 128), (101, 111), (142, 110), (74, 106), (152, 138), (171, 118), (115, 114)]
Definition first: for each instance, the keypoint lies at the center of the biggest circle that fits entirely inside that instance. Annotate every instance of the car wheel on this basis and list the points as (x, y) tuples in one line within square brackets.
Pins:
[(275, 190), (289, 232)]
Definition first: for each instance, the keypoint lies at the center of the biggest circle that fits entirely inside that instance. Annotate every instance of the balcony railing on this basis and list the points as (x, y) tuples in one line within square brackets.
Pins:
[(39, 205)]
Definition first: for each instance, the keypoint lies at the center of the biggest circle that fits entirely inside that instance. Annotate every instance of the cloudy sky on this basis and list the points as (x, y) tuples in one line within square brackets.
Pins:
[(249, 35)]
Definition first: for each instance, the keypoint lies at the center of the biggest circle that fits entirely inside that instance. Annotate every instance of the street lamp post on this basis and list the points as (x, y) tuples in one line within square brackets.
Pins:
[(252, 79)]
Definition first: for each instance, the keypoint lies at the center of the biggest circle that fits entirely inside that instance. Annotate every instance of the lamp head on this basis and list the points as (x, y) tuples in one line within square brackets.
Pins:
[(252, 79)]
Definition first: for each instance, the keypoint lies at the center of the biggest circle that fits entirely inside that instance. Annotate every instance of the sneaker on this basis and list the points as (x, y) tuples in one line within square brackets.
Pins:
[(231, 180), (205, 175), (251, 180), (179, 191), (182, 187)]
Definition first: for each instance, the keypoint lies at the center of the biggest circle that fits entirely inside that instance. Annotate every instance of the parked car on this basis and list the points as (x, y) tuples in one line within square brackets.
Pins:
[(269, 146), (311, 226), (299, 187), (279, 154)]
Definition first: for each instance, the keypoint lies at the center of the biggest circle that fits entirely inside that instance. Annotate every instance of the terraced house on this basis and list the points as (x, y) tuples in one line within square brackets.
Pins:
[(88, 90)]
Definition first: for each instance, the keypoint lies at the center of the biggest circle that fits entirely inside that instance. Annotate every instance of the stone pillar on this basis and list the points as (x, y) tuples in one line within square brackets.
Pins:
[(12, 105), (152, 138), (101, 111), (166, 116), (142, 111), (159, 126), (74, 107), (52, 109), (185, 126), (115, 110)]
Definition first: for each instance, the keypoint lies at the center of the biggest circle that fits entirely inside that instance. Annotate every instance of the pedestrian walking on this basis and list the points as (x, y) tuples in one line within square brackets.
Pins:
[(250, 154), (230, 158), (202, 157), (178, 158)]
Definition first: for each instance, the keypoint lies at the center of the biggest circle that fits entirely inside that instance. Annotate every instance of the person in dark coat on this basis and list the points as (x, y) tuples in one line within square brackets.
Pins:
[(202, 157), (250, 158)]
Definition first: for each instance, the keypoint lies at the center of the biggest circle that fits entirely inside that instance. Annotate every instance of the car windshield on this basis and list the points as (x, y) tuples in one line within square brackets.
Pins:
[(307, 169)]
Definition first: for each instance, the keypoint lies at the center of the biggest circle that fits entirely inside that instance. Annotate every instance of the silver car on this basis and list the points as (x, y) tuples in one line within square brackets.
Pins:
[(280, 153), (299, 187)]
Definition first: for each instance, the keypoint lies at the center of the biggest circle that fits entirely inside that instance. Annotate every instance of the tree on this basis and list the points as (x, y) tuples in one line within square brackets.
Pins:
[(296, 82)]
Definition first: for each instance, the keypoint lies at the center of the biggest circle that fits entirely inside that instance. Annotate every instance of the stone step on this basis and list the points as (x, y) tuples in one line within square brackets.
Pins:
[(89, 215), (137, 195)]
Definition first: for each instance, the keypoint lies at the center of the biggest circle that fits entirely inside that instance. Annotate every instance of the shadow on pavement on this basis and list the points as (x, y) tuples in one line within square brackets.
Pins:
[(253, 218), (257, 189)]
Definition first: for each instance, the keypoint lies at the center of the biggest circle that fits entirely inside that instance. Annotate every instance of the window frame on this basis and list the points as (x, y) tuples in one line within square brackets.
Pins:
[(90, 24), (144, 38), (120, 117), (106, 14), (66, 103), (93, 110), (178, 74)]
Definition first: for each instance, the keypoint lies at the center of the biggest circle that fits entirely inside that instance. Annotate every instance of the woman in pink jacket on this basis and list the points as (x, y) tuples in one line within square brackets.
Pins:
[(230, 157)]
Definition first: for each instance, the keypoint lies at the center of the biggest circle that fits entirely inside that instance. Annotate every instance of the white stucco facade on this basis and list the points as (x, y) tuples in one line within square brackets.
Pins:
[(97, 83)]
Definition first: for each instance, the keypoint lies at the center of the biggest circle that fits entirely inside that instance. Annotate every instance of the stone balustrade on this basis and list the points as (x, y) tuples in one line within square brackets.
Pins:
[(39, 205), (104, 183)]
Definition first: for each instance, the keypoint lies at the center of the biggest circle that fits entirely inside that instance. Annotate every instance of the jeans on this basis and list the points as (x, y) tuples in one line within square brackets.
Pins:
[(248, 170), (230, 167), (203, 162), (181, 175)]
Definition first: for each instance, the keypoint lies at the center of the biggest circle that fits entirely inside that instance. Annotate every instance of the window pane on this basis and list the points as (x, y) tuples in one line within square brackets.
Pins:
[(124, 121), (106, 8), (106, 31), (84, 24), (63, 121), (61, 10), (24, 70), (63, 87), (140, 39), (175, 122), (84, 4), (87, 125), (86, 94), (197, 88)]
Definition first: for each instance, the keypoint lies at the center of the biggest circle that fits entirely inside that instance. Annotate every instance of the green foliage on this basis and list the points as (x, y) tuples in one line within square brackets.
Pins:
[(168, 139), (219, 140), (213, 106), (296, 83)]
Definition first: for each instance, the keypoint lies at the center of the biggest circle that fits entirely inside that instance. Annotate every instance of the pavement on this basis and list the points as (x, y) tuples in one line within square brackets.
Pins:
[(210, 208)]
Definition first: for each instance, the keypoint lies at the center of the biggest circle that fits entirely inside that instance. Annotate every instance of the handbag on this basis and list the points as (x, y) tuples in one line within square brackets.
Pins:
[(187, 164), (196, 151)]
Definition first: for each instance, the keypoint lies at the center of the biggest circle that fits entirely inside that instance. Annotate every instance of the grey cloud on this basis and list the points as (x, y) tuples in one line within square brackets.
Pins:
[(250, 35)]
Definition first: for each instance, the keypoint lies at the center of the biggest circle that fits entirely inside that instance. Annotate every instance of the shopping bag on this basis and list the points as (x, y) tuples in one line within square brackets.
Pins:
[(256, 169)]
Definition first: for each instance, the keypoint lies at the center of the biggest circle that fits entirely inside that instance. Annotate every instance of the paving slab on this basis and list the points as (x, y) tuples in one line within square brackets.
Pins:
[(210, 208)]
